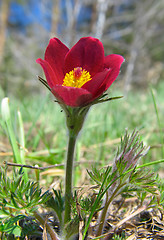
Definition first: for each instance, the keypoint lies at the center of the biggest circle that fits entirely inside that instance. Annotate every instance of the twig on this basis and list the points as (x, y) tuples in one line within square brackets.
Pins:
[(43, 168), (33, 167)]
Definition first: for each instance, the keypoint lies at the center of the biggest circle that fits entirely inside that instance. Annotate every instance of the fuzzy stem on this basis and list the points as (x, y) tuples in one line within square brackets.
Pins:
[(68, 177), (44, 223)]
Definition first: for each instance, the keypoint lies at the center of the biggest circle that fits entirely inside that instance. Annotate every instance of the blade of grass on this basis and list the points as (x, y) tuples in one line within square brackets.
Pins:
[(6, 117), (22, 143), (5, 110), (158, 120)]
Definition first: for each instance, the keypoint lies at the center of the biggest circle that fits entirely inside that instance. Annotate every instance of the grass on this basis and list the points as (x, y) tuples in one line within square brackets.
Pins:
[(45, 132)]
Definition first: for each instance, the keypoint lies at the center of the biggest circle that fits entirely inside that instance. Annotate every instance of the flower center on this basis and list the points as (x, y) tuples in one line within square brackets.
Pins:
[(76, 78)]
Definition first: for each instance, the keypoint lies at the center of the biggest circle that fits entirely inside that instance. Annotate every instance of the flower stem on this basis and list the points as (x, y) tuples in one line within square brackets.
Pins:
[(68, 177)]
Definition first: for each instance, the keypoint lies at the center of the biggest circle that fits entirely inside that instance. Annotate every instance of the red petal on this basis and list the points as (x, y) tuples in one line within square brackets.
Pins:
[(87, 53), (94, 84), (74, 97), (99, 83), (54, 55), (49, 73), (113, 61), (102, 81), (111, 77)]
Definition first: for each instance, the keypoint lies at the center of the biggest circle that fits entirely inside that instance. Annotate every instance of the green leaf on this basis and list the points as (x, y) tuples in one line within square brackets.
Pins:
[(13, 201)]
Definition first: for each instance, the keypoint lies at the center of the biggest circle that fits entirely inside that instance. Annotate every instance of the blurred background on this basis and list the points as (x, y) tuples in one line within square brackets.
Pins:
[(132, 28)]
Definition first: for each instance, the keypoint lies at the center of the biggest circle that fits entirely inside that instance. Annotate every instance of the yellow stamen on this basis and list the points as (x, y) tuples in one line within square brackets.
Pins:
[(76, 78)]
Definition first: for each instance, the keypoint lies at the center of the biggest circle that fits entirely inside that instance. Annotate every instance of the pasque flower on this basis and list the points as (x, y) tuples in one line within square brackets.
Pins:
[(78, 78), (79, 75)]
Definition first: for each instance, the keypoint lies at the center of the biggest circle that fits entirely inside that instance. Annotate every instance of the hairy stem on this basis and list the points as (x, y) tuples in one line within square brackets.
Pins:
[(68, 177)]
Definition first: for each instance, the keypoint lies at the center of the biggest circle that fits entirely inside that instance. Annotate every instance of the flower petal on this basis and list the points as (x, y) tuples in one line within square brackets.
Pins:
[(94, 84), (103, 80), (111, 77), (49, 73), (54, 55), (113, 61), (98, 85), (74, 97), (87, 53)]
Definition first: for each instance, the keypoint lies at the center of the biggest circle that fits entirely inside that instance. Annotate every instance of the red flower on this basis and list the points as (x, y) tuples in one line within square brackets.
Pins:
[(79, 75)]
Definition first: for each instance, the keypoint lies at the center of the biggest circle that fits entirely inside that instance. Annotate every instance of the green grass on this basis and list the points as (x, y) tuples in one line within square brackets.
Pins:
[(44, 126)]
